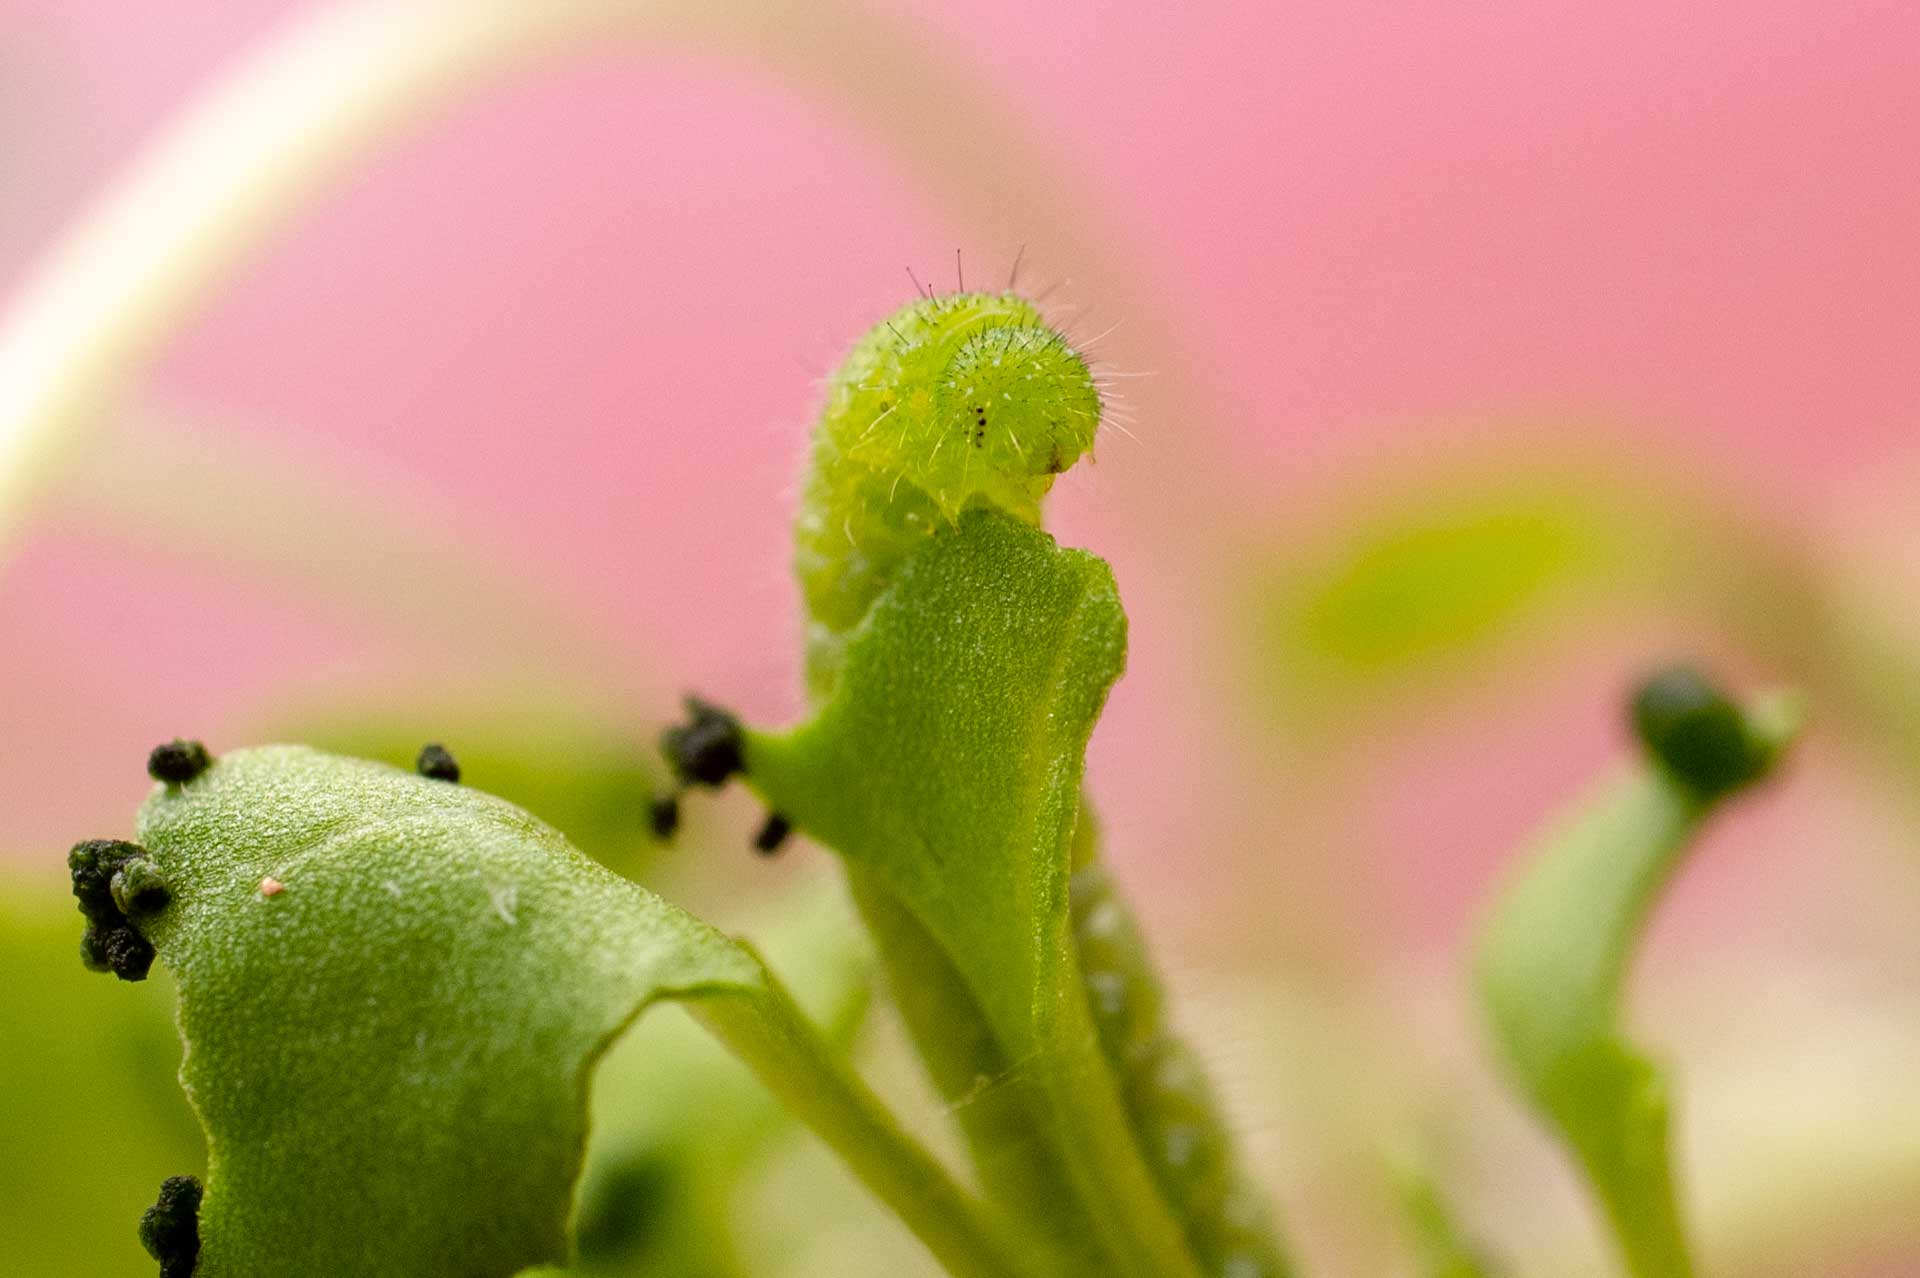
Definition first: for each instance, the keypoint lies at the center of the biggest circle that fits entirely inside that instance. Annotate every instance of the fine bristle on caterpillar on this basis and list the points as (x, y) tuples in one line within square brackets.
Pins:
[(949, 402)]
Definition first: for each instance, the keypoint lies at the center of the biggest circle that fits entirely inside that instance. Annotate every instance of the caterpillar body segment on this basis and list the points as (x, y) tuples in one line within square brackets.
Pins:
[(1174, 1113), (951, 401)]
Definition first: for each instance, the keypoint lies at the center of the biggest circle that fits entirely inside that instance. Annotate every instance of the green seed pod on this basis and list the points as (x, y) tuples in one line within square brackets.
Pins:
[(1696, 733), (951, 401)]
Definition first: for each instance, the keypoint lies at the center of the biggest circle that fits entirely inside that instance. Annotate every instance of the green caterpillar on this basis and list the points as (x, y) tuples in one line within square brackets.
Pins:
[(963, 400), (1169, 1101), (951, 401)]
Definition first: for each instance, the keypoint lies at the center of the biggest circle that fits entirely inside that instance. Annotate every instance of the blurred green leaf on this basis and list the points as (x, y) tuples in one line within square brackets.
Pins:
[(92, 1119), (1440, 1249), (393, 989), (588, 777), (1447, 578), (1443, 572), (946, 769)]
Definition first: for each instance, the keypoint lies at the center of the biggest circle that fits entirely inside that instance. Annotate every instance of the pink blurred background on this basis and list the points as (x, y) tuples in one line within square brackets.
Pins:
[(579, 318), (576, 323)]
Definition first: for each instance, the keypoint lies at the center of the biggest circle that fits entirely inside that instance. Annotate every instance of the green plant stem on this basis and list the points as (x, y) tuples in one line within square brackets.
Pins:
[(1550, 970), (1098, 1146), (1608, 1101), (994, 1103), (1048, 1132), (771, 1036)]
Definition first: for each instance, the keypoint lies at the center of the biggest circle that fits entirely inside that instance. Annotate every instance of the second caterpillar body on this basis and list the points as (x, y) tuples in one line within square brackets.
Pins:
[(1169, 1101)]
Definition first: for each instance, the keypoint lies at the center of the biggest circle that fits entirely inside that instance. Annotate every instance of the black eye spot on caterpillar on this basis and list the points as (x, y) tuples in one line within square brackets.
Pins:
[(178, 761), (437, 763), (706, 750), (772, 834), (170, 1229), (107, 872), (1696, 733)]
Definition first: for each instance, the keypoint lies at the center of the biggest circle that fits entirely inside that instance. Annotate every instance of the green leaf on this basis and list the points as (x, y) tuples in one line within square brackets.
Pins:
[(1443, 570), (1412, 588), (392, 991), (946, 769), (1550, 968)]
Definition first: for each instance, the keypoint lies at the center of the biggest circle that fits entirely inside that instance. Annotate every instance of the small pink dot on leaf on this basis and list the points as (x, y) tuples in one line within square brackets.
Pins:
[(271, 887)]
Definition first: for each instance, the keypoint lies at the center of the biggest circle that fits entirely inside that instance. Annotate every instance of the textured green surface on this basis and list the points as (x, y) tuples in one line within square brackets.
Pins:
[(946, 768), (1550, 969), (390, 1053)]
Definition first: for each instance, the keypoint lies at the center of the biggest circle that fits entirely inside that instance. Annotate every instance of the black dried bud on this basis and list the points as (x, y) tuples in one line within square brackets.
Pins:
[(663, 814), (93, 863), (708, 748), (1696, 733), (437, 762), (139, 888), (774, 833), (170, 1229), (107, 872), (93, 956), (129, 955), (178, 762)]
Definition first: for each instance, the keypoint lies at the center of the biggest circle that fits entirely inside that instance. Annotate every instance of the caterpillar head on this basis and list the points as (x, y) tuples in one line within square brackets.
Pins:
[(972, 395)]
